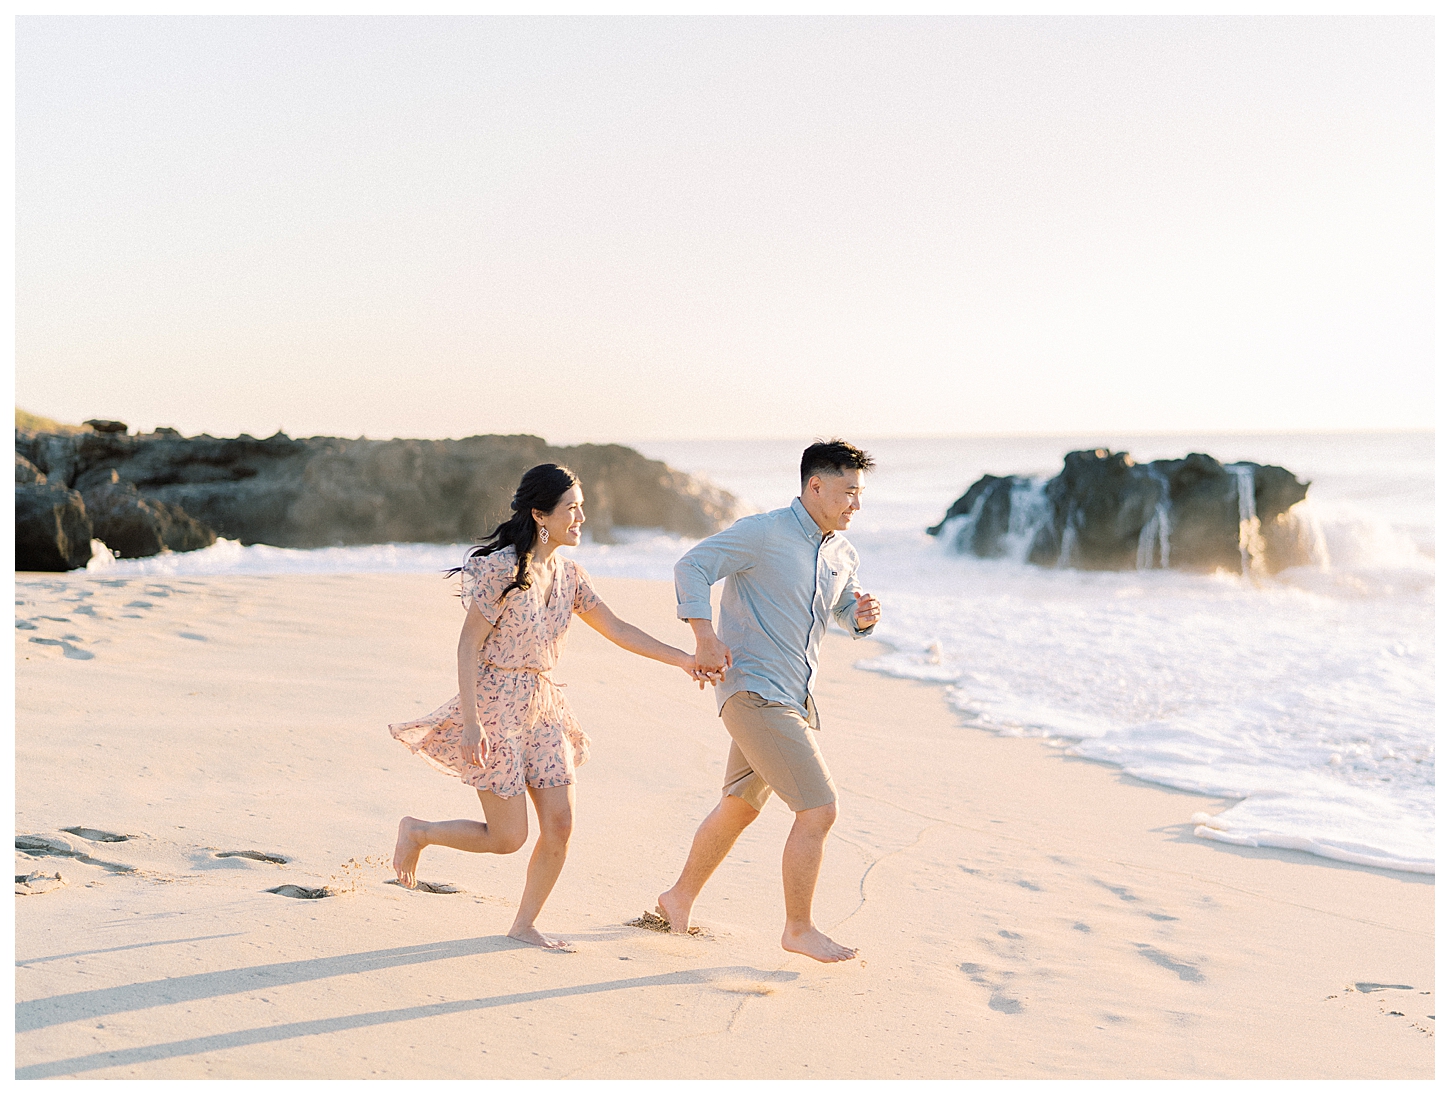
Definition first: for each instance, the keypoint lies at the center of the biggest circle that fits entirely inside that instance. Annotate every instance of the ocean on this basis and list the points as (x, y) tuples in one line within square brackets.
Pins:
[(1308, 695)]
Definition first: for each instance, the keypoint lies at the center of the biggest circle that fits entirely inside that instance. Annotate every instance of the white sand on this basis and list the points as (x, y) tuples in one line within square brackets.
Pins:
[(1020, 913)]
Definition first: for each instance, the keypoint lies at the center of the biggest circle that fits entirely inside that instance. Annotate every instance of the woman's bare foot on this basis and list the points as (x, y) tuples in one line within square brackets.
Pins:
[(409, 848), (536, 938), (676, 911), (813, 943)]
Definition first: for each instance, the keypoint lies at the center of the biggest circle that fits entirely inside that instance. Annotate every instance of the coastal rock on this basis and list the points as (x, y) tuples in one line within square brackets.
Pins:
[(1104, 511), (989, 503), (322, 491), (52, 530), (26, 472), (105, 425), (134, 526), (55, 454)]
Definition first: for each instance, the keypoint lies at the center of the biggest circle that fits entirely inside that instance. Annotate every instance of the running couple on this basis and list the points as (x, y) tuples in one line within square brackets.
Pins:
[(509, 729)]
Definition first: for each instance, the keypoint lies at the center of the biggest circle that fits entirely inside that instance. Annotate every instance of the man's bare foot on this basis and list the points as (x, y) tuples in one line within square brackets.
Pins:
[(409, 848), (536, 938), (676, 911), (813, 943)]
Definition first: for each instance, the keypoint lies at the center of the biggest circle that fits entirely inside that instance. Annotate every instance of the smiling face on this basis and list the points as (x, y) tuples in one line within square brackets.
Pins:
[(833, 499), (565, 521)]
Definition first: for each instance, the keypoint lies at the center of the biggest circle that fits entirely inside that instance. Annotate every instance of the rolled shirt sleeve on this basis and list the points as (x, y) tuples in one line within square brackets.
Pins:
[(730, 551)]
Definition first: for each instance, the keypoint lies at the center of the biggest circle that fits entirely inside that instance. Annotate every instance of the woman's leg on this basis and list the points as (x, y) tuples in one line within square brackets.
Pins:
[(504, 830), (555, 807)]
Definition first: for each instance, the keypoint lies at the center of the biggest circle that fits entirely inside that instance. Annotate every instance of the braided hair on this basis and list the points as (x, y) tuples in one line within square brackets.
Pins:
[(540, 489)]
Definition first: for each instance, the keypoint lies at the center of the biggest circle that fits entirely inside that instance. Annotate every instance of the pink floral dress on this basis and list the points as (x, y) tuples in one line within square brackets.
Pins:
[(533, 737)]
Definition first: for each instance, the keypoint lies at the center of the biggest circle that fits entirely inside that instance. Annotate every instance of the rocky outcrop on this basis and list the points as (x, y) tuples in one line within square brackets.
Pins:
[(134, 526), (52, 530), (323, 491), (1104, 511), (26, 472)]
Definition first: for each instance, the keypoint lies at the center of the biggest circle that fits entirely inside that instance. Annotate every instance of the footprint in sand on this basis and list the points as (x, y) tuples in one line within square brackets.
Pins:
[(427, 887), (655, 923), (305, 893), (39, 845), (1185, 970), (999, 1000), (66, 648), (260, 857), (98, 836), (1122, 893), (38, 882)]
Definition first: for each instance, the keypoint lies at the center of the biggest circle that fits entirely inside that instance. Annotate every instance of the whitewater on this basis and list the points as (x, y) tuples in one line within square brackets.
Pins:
[(1308, 695)]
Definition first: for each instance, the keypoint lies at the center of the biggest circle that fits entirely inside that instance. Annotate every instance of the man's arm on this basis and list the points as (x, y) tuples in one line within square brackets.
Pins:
[(728, 552), (857, 611)]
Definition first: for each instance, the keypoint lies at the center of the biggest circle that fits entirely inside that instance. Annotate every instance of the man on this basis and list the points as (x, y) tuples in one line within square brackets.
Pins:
[(785, 572)]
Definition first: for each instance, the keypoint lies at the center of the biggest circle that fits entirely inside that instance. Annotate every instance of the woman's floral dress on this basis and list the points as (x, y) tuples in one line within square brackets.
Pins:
[(533, 737)]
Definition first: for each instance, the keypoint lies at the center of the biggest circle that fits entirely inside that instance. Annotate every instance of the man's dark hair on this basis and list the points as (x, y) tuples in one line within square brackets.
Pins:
[(834, 456)]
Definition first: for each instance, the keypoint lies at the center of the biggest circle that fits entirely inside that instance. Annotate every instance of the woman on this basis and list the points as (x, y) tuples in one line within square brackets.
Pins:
[(509, 729)]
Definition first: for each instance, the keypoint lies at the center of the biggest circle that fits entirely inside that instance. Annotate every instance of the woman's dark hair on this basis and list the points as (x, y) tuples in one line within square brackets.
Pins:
[(540, 489), (834, 456)]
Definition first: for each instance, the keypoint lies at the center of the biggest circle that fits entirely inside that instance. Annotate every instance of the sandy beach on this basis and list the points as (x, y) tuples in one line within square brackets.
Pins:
[(1020, 912)]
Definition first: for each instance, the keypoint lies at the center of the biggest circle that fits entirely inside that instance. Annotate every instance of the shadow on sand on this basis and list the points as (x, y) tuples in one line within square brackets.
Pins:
[(77, 1006)]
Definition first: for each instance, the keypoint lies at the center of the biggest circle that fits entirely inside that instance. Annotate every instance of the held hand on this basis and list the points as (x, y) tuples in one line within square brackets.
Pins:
[(473, 745), (700, 676), (712, 657), (867, 612)]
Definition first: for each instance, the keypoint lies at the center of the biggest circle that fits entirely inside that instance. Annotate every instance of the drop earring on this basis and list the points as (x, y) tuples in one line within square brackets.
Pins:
[(543, 535)]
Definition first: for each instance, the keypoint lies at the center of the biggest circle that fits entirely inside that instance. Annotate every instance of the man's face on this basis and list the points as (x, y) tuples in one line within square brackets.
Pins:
[(833, 499)]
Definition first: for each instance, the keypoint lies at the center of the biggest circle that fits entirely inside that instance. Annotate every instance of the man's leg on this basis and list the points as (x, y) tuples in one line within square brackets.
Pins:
[(713, 841), (800, 866)]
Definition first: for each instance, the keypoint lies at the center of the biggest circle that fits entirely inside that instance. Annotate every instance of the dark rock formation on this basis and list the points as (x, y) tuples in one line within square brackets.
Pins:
[(1103, 511), (134, 526), (52, 531), (990, 499), (106, 425), (26, 472), (326, 490)]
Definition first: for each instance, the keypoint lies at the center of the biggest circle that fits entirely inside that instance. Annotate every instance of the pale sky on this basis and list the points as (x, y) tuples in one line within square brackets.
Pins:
[(619, 229)]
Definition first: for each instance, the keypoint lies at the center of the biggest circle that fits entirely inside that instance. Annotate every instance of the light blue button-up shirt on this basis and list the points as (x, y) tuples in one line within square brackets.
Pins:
[(782, 579)]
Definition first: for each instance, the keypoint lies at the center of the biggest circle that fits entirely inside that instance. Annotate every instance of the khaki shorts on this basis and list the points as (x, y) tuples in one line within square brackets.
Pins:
[(773, 749)]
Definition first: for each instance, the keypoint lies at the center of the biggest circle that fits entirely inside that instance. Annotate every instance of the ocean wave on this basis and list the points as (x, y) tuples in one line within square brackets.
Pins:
[(1316, 710)]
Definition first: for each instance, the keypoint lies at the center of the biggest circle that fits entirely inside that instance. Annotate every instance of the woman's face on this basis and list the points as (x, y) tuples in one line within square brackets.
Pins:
[(566, 522)]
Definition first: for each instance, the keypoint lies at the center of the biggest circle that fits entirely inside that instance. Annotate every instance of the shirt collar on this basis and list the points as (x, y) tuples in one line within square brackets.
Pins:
[(809, 528)]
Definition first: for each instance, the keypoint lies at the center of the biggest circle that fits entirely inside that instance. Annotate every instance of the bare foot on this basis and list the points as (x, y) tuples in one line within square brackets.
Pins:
[(536, 938), (676, 911), (409, 848), (813, 943)]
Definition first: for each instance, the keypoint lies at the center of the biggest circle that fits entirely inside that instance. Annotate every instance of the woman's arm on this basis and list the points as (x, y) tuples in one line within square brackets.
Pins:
[(476, 631), (603, 620)]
